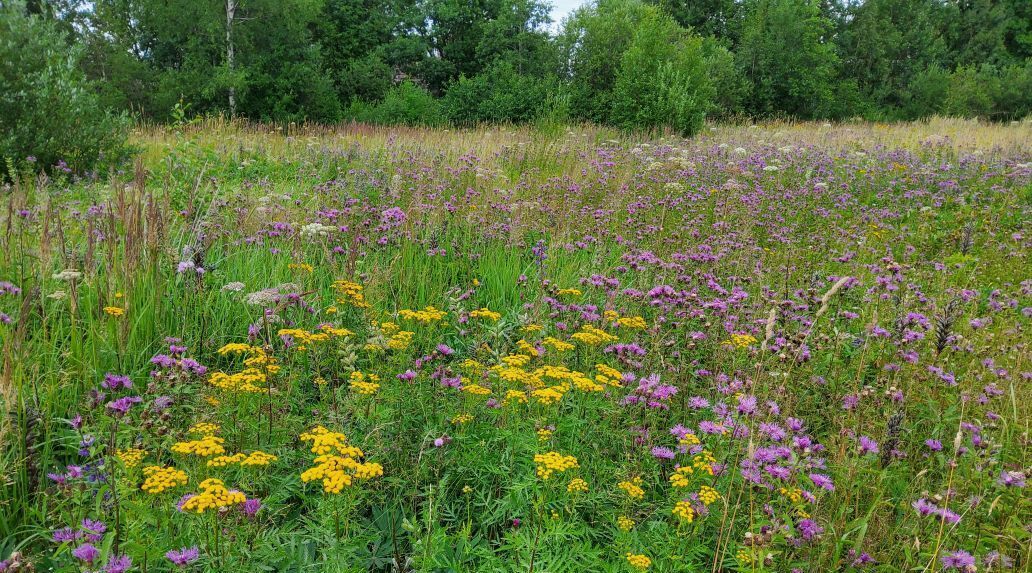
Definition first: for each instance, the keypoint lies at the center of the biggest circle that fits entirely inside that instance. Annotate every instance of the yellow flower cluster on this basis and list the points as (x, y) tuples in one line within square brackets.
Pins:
[(632, 322), (425, 316), (336, 332), (569, 292), (557, 345), (462, 419), (680, 477), (303, 267), (236, 348), (115, 311), (544, 434), (400, 341), (532, 328), (517, 360), (486, 314), (577, 485), (204, 447), (527, 348), (204, 429), (339, 470), (213, 495), (325, 441), (795, 495), (131, 457), (704, 461), (247, 380), (550, 395), (366, 384), (350, 293), (708, 495), (515, 397), (633, 488), (624, 523), (161, 478), (638, 561), (476, 390), (689, 439), (740, 340), (578, 379), (302, 337), (553, 462), (609, 372), (685, 511), (256, 458), (592, 336)]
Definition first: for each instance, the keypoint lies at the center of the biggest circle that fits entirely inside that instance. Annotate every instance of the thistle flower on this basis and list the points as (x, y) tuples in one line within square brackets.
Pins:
[(183, 557)]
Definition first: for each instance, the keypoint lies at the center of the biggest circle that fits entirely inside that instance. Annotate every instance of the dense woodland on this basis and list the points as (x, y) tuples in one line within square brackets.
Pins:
[(626, 63)]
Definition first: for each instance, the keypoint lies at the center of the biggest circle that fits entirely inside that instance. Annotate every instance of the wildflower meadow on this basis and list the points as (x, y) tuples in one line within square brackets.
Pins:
[(792, 347)]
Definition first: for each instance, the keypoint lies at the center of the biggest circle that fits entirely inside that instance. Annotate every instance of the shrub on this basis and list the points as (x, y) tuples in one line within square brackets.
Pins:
[(662, 79), (405, 103), (498, 94), (47, 108)]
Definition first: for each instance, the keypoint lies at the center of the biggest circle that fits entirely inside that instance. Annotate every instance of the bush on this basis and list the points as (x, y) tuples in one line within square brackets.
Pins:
[(498, 94), (405, 103), (662, 79), (47, 108)]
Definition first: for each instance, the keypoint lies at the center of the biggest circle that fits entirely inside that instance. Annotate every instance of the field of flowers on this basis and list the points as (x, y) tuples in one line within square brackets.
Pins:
[(780, 348)]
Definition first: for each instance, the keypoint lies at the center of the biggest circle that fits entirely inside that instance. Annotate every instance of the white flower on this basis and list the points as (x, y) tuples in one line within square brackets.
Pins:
[(68, 275), (58, 295), (233, 287), (313, 230)]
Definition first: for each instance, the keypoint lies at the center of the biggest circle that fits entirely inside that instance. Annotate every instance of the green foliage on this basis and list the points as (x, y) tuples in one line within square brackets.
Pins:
[(47, 108), (498, 94), (662, 79), (405, 103), (786, 58)]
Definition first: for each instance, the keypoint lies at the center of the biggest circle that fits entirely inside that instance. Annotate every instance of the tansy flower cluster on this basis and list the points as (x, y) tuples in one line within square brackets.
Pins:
[(633, 488), (131, 457), (638, 561), (350, 293), (204, 447), (213, 495), (740, 340), (361, 383), (337, 464), (425, 316), (553, 462), (593, 336), (486, 314), (160, 478)]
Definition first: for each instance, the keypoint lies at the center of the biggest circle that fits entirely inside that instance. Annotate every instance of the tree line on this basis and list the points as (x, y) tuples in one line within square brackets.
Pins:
[(629, 63)]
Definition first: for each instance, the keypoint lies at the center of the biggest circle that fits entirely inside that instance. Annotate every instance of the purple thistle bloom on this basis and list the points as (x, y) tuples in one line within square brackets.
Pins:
[(407, 376), (116, 381), (252, 506), (183, 557), (822, 481), (86, 552), (958, 560), (118, 564), (868, 446), (934, 445), (1011, 479), (809, 529), (66, 535), (120, 407), (662, 453)]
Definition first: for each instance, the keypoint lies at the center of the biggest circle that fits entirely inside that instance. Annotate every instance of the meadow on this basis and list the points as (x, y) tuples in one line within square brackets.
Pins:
[(779, 348)]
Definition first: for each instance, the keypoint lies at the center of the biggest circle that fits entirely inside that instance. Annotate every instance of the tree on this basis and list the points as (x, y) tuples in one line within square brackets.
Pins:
[(47, 108), (662, 79), (787, 59)]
